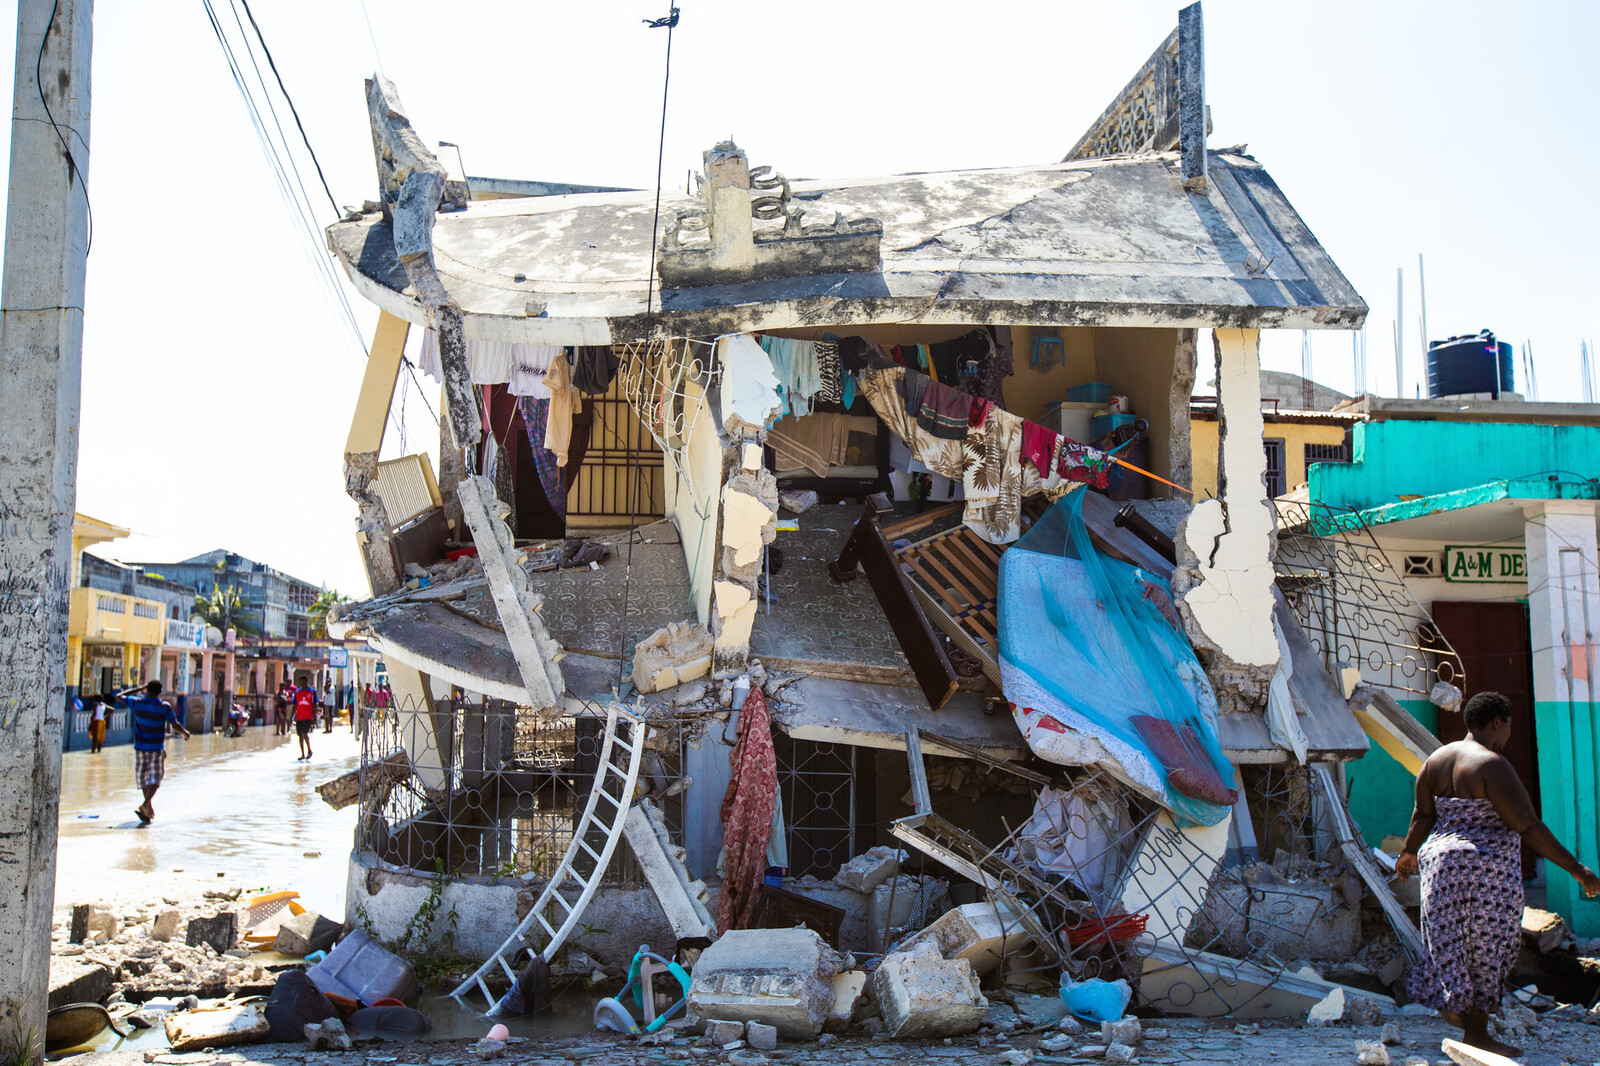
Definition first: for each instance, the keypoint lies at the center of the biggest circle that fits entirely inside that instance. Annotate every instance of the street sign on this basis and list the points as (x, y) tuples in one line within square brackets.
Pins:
[(338, 657), (1485, 564)]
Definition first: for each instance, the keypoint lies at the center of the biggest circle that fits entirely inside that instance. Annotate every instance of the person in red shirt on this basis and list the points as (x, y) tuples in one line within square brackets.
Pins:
[(305, 718)]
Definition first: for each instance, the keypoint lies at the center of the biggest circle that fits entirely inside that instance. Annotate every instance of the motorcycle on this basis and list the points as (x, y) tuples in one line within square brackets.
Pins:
[(236, 720)]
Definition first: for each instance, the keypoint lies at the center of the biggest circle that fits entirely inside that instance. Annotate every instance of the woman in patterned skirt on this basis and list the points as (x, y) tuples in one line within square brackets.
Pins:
[(1466, 836)]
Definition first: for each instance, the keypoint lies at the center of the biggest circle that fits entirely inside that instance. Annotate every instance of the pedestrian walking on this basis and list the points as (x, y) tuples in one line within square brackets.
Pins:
[(151, 719), (327, 705), (280, 709), (1472, 815), (305, 719), (96, 706)]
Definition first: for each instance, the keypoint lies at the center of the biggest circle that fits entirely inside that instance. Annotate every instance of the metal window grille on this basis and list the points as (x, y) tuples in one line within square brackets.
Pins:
[(112, 605), (1277, 469), (817, 785), (146, 610), (1327, 453), (484, 787)]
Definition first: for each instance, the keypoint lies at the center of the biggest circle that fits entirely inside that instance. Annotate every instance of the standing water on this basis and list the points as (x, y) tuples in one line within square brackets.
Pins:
[(238, 812)]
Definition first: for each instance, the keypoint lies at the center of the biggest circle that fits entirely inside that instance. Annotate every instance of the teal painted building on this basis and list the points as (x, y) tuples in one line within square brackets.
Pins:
[(1494, 526)]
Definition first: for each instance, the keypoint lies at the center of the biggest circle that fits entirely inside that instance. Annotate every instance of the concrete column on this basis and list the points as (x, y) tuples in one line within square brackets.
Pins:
[(1564, 617), (231, 679), (1224, 580), (727, 191), (41, 350)]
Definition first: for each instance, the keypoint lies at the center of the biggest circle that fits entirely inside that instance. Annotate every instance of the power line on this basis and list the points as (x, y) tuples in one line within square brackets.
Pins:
[(292, 109)]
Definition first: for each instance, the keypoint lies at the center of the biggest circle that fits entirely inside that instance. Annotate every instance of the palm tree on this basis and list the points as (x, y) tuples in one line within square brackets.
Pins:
[(326, 600), (226, 609)]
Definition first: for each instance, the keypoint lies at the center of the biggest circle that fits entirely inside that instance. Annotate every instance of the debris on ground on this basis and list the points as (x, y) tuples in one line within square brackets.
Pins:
[(778, 977), (922, 994), (222, 1025)]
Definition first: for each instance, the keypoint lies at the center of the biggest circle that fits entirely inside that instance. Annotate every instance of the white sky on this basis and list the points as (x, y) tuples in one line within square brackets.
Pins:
[(218, 385)]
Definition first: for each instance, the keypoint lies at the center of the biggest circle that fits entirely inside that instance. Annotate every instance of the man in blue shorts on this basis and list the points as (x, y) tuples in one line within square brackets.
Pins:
[(150, 718)]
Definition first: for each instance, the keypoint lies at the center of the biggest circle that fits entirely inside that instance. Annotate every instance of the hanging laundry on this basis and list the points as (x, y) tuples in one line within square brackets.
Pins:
[(997, 366), (1039, 447), (980, 411), (564, 403), (1083, 464), (489, 362), (814, 442), (942, 457), (529, 365), (795, 365), (428, 356), (944, 412), (992, 477), (747, 808), (854, 354), (535, 414), (913, 387), (828, 372), (594, 368)]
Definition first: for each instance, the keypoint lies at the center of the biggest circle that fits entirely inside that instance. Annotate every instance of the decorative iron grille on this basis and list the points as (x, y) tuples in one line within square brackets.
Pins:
[(1354, 604), (480, 786)]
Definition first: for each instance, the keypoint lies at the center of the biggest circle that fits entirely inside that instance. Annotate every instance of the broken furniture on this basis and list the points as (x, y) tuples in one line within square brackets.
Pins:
[(660, 990)]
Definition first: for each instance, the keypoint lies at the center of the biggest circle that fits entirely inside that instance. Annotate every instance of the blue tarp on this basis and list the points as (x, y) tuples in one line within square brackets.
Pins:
[(1093, 656)]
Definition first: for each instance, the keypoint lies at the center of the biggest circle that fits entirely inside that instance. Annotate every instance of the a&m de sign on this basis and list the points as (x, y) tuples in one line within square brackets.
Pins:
[(1485, 564)]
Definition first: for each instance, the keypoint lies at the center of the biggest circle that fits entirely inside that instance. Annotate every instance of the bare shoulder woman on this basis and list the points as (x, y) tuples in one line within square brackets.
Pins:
[(1472, 815)]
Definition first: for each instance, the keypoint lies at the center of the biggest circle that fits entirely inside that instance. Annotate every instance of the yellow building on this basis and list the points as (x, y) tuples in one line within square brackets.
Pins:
[(107, 632), (1293, 441)]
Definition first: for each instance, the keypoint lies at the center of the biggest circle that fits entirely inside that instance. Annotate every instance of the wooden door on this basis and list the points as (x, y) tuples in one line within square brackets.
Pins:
[(1492, 643)]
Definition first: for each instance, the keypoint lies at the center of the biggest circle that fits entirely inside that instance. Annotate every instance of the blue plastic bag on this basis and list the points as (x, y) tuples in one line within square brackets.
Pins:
[(1096, 1000)]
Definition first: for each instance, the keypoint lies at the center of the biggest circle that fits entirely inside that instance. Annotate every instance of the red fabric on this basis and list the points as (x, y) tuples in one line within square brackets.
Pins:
[(305, 705), (747, 814), (1038, 445)]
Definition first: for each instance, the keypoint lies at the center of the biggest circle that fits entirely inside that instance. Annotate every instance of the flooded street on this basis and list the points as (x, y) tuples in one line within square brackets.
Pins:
[(231, 813)]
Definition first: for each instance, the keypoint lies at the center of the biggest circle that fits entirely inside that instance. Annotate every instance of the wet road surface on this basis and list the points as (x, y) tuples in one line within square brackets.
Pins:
[(240, 808)]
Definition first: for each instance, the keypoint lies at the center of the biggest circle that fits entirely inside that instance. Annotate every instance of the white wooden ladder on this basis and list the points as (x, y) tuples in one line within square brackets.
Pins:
[(553, 917)]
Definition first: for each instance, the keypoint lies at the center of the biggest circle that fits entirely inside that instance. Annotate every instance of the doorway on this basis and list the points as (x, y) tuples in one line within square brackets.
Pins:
[(1495, 652)]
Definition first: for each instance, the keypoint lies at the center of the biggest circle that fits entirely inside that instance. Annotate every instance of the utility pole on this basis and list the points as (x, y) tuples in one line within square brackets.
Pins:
[(41, 352)]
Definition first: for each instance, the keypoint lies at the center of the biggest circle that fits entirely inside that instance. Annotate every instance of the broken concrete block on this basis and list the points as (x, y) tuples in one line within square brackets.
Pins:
[(1041, 1012), (849, 1001), (1371, 1053), (1329, 1010), (487, 1048), (1543, 931), (1391, 1033), (74, 979), (1057, 1044), (1289, 919), (673, 654), (867, 871), (923, 995), (220, 931), (779, 977), (1467, 1055), (761, 1037), (327, 1034), (1359, 1010), (1014, 1057), (984, 934), (220, 1026), (88, 921), (724, 1032), (302, 934), (1120, 1053), (165, 927), (1129, 1031)]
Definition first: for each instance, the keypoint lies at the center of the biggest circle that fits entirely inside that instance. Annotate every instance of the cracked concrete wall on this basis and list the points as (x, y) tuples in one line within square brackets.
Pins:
[(372, 521), (748, 510), (693, 499), (1223, 583), (1181, 447)]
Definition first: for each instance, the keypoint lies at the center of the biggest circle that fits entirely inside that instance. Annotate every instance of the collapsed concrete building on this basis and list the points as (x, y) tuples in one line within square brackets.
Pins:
[(760, 516)]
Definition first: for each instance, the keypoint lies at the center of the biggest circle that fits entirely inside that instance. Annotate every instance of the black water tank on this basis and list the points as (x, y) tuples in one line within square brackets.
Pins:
[(1464, 365)]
